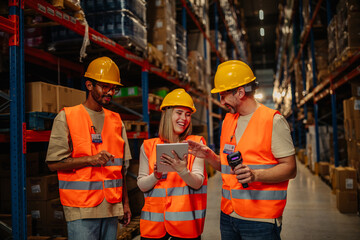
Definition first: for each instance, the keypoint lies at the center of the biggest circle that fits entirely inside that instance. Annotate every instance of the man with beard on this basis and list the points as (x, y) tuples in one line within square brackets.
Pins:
[(253, 192), (88, 147)]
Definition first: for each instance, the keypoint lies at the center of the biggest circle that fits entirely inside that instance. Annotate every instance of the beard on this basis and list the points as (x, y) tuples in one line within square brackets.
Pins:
[(100, 99)]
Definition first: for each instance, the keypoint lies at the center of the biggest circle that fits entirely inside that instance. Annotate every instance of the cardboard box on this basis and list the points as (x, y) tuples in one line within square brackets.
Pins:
[(355, 89), (345, 178), (32, 163), (349, 128), (37, 209), (6, 218), (352, 108), (54, 212), (42, 188), (68, 97), (40, 97), (332, 177), (323, 168), (346, 201)]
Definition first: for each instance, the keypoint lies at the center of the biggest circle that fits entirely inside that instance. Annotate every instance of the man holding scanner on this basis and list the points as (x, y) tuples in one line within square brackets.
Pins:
[(175, 200), (254, 190)]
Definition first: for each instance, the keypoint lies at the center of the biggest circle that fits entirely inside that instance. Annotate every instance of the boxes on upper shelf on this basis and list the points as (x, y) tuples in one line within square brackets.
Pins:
[(40, 97), (45, 97)]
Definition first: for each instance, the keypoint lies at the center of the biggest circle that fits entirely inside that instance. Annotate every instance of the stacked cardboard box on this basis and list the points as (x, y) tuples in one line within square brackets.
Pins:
[(346, 189), (196, 67), (44, 205), (348, 25), (352, 129), (162, 30), (45, 97)]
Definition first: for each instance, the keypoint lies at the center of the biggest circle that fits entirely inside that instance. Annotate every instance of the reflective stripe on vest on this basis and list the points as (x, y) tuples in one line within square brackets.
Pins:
[(117, 162), (258, 195), (156, 192), (89, 185), (76, 185), (152, 216), (164, 210), (178, 191), (262, 200), (185, 216), (226, 168)]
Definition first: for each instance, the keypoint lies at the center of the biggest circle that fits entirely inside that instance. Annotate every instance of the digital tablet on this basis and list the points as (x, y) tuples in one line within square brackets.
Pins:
[(179, 148)]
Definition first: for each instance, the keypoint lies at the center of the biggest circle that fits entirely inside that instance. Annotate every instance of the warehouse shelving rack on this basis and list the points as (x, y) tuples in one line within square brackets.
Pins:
[(328, 86), (19, 135)]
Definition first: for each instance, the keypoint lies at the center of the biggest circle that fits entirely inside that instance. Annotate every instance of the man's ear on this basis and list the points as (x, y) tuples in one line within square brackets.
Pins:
[(241, 91), (89, 85)]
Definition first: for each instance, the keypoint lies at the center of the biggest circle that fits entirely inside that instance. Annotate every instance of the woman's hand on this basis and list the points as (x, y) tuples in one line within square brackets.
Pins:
[(175, 162), (157, 174)]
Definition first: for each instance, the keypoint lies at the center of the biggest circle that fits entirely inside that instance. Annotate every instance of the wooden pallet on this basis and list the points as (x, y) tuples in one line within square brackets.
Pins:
[(169, 70), (155, 99), (155, 56), (130, 231), (134, 126), (348, 53)]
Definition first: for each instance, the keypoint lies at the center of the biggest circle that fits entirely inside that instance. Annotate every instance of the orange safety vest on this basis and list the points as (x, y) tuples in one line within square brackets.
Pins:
[(259, 200), (172, 206), (89, 185)]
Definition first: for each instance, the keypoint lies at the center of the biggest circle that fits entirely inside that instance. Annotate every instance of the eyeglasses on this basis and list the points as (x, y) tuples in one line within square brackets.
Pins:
[(107, 88)]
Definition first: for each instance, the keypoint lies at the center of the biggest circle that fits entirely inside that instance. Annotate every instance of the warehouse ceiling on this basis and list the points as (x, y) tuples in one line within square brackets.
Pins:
[(262, 57), (262, 48)]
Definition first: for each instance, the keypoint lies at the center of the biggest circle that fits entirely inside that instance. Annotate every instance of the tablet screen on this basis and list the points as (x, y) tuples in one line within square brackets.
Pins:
[(179, 148)]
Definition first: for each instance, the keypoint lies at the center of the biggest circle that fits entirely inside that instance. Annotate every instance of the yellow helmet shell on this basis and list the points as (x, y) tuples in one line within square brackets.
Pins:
[(178, 97), (105, 70), (232, 74)]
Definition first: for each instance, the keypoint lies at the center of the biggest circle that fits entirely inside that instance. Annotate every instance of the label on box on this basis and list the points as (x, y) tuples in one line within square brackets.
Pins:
[(58, 215), (357, 105), (36, 189), (35, 214), (349, 183), (159, 24), (131, 91), (158, 3)]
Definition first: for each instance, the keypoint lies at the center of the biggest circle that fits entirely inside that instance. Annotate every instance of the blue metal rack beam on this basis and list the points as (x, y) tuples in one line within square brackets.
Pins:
[(17, 125), (316, 108)]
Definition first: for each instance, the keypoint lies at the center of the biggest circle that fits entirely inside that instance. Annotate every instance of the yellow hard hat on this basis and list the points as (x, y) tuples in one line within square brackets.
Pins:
[(232, 74), (105, 70), (178, 97)]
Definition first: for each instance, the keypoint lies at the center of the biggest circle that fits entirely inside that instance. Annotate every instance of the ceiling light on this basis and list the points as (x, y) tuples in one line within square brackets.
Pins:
[(259, 96), (261, 14), (262, 32)]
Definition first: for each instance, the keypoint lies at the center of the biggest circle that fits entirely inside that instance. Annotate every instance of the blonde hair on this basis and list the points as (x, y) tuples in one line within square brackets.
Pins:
[(166, 128)]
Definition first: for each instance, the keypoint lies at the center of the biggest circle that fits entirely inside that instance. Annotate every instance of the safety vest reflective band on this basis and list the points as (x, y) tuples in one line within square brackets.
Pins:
[(226, 168), (172, 206), (259, 200), (88, 186)]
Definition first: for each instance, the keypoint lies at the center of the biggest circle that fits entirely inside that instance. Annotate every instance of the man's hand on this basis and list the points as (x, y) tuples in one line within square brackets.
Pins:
[(127, 215), (243, 174), (101, 158), (198, 149), (202, 151)]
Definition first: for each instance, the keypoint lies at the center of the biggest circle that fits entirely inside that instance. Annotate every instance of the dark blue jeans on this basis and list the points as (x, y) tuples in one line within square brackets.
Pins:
[(234, 228)]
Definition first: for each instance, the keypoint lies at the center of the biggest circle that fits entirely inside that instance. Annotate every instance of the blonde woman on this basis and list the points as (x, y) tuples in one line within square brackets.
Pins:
[(175, 202)]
